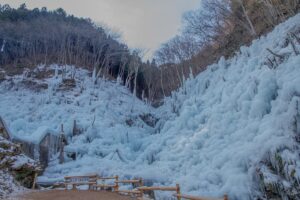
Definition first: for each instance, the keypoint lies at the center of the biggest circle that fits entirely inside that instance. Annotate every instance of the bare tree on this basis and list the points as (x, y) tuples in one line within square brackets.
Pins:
[(206, 22)]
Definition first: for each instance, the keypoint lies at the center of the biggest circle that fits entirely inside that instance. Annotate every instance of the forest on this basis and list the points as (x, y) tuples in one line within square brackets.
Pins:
[(40, 36)]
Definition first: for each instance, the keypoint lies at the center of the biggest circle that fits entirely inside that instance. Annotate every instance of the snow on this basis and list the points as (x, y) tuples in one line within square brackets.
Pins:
[(38, 134), (212, 134), (232, 115), (22, 160), (31, 115), (11, 160), (8, 186)]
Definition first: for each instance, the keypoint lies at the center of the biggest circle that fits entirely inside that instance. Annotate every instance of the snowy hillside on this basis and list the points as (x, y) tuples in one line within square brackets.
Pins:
[(109, 116), (233, 129), (237, 124)]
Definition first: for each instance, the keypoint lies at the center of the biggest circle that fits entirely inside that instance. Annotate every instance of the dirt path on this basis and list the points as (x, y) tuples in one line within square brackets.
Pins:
[(72, 195)]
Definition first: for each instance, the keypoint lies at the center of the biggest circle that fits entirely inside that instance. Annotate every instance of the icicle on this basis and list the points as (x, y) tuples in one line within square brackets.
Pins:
[(3, 46), (56, 72), (94, 75), (191, 76), (119, 80)]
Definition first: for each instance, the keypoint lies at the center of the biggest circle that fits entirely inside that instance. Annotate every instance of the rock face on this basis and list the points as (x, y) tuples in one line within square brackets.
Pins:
[(16, 169)]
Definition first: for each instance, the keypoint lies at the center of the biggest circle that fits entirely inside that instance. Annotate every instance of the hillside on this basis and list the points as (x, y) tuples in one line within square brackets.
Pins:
[(43, 37), (232, 129), (235, 128)]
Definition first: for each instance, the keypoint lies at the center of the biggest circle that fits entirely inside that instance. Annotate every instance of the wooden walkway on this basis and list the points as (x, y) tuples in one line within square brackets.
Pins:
[(72, 195)]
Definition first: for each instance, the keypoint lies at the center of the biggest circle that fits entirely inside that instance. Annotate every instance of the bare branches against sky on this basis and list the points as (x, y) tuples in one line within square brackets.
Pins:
[(143, 23)]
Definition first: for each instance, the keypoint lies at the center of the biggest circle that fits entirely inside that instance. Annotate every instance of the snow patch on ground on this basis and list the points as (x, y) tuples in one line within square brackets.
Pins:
[(9, 186)]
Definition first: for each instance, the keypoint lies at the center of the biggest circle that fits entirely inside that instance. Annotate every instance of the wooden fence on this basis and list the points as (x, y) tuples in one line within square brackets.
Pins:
[(134, 182), (74, 181), (104, 186), (159, 188), (93, 182)]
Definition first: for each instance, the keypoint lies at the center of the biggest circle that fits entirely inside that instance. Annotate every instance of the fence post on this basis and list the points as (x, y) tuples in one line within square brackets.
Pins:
[(178, 191), (142, 194), (141, 182), (117, 184), (34, 180), (226, 197)]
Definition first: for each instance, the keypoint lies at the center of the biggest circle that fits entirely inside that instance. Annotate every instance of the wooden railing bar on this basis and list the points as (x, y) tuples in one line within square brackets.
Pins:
[(80, 183), (130, 191), (87, 176), (106, 178), (158, 188), (128, 181), (190, 197), (105, 185)]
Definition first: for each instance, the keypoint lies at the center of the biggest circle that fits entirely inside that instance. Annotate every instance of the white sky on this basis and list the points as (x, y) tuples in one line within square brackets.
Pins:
[(143, 23)]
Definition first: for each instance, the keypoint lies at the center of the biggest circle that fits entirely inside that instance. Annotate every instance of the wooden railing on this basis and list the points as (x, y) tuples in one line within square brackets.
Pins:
[(136, 182), (104, 186), (183, 196), (92, 182), (153, 188)]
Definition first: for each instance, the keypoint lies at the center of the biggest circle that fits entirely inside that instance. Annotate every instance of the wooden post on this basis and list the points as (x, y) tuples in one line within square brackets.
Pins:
[(226, 197), (141, 182), (117, 184), (142, 194), (178, 191), (34, 180)]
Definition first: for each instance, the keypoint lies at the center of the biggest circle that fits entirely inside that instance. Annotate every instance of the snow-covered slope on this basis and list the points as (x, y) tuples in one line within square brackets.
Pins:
[(232, 129), (114, 123), (236, 118)]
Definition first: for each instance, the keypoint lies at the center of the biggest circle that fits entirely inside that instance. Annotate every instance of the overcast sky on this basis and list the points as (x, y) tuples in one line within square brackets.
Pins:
[(143, 23)]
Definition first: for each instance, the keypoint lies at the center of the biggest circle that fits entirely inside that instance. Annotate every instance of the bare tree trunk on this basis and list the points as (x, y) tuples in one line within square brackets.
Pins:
[(252, 29), (46, 52), (136, 71), (178, 74), (161, 83)]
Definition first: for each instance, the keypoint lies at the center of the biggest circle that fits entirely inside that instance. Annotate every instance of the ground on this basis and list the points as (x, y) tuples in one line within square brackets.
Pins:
[(71, 195)]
